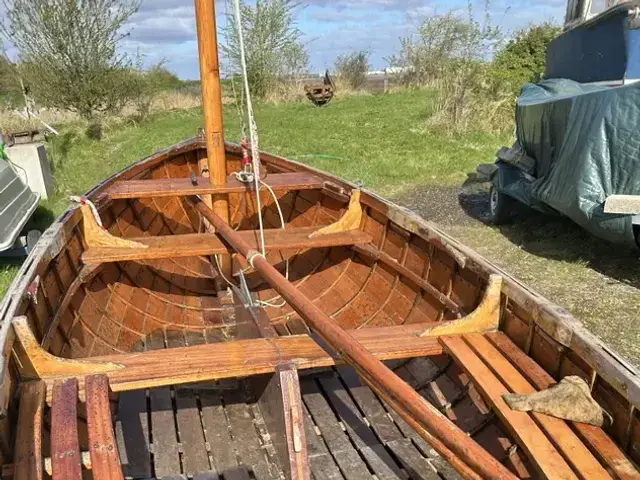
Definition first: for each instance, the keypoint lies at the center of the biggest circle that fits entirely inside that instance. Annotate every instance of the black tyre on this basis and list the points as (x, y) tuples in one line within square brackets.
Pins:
[(501, 207)]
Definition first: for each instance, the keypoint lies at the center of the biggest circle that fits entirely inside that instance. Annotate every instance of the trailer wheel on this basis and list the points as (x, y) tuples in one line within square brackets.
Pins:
[(500, 206)]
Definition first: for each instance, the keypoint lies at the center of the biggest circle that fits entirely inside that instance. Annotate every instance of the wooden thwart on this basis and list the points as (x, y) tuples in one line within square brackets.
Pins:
[(177, 187), (179, 246), (197, 363)]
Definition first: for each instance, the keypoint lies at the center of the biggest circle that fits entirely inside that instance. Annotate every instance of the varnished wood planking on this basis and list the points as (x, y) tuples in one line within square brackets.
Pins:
[(541, 451), (247, 357), (200, 244), (561, 435), (595, 438), (65, 449), (102, 443), (28, 447), (173, 187)]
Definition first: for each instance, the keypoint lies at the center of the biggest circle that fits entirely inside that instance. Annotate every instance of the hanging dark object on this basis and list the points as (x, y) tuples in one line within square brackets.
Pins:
[(321, 93)]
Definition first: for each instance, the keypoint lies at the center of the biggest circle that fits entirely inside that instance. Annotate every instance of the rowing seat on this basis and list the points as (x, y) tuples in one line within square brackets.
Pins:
[(557, 448)]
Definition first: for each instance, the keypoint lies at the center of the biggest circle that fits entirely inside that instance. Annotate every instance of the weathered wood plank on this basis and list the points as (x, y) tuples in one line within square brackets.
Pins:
[(194, 453), (595, 438), (174, 187), (166, 459), (103, 448), (350, 463), (533, 440), (132, 431), (322, 464), (65, 447), (28, 447), (558, 431), (256, 356), (245, 436), (416, 465), (361, 435), (203, 244), (217, 432)]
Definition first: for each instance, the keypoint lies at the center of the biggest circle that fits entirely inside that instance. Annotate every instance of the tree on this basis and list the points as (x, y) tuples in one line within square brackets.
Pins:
[(10, 91), (523, 59), (68, 51), (353, 67), (273, 46)]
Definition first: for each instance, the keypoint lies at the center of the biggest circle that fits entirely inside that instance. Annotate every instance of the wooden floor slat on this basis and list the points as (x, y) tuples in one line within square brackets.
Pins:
[(28, 445), (194, 453), (527, 433), (361, 435), (217, 432), (598, 441), (65, 447), (323, 466), (174, 187), (204, 244), (166, 457), (103, 447), (245, 436), (132, 431), (349, 461), (558, 431)]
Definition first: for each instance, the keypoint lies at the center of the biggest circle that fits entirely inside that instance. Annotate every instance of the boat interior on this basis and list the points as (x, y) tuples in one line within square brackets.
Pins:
[(133, 355)]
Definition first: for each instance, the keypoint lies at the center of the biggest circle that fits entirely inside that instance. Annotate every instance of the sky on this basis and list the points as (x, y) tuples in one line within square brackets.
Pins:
[(165, 29)]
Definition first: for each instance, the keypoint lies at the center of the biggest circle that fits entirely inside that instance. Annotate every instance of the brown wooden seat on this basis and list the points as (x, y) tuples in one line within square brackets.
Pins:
[(177, 187), (179, 246), (496, 366)]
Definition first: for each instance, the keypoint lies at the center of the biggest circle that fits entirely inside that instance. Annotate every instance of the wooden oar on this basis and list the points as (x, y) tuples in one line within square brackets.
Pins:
[(451, 442)]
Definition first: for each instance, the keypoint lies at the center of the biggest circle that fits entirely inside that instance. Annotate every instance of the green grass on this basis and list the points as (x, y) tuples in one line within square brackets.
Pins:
[(379, 139)]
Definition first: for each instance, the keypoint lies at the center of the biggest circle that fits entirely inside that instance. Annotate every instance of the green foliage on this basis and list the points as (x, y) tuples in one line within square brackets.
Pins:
[(10, 91), (449, 52), (352, 68), (523, 59), (273, 46), (68, 51), (147, 84)]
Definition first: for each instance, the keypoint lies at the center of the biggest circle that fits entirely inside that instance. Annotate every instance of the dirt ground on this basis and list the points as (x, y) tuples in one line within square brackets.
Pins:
[(597, 282)]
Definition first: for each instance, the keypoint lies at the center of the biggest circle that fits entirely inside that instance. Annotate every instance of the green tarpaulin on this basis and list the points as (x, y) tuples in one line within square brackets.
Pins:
[(585, 140)]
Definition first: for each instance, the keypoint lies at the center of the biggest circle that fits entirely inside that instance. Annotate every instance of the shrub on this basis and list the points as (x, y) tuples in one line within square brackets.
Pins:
[(68, 51), (352, 68), (523, 59), (273, 46)]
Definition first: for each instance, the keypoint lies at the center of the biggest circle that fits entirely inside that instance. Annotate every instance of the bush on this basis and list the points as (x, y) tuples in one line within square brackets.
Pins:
[(352, 68), (273, 46), (148, 84), (523, 59), (68, 51), (449, 52)]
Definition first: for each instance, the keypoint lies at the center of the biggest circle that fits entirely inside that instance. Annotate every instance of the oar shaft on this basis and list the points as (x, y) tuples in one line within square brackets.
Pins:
[(382, 379)]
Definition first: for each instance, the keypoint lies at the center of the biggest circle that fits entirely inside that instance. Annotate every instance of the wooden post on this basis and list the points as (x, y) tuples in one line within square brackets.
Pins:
[(451, 442), (212, 106)]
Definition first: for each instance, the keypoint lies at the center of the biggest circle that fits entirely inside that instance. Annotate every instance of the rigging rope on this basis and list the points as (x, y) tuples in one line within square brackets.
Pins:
[(253, 128)]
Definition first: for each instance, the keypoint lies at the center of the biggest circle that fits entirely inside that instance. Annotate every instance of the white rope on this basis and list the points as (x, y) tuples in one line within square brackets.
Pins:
[(253, 128)]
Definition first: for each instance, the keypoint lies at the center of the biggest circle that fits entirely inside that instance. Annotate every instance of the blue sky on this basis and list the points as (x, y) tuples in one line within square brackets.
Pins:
[(165, 29)]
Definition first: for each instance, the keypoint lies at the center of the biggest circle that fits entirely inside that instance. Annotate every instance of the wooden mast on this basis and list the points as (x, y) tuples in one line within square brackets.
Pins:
[(212, 106), (469, 458)]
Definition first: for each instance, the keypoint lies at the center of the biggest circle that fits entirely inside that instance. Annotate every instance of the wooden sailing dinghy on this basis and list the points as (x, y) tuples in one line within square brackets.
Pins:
[(128, 355)]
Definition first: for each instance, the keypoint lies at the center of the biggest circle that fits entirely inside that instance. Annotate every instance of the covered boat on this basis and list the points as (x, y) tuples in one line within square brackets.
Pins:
[(150, 338)]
